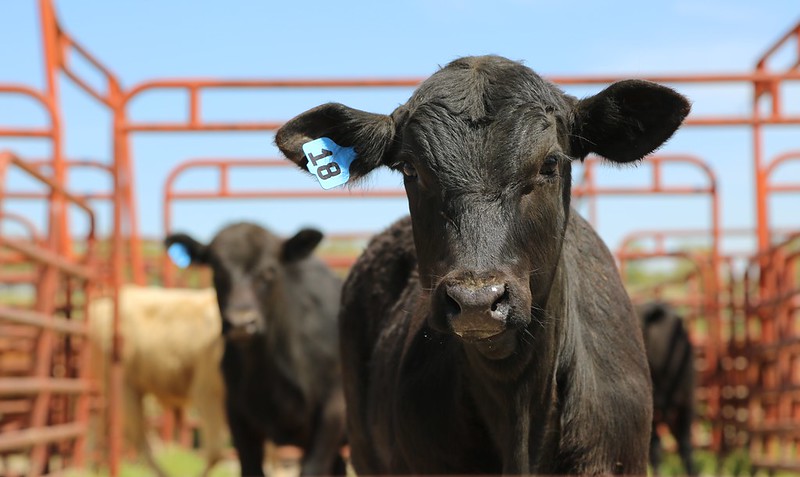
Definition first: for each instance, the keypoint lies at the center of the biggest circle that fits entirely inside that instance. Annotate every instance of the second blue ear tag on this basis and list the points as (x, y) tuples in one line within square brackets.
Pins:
[(329, 161), (179, 255)]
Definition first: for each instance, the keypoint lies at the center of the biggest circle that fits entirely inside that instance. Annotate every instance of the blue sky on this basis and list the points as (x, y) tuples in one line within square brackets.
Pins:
[(142, 40)]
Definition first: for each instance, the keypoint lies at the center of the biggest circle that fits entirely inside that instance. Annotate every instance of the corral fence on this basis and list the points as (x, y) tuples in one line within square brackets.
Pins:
[(741, 316), (45, 385)]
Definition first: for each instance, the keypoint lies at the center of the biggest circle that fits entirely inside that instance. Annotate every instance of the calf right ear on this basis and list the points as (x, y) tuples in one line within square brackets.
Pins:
[(627, 120), (652, 312), (369, 134), (196, 252), (300, 245)]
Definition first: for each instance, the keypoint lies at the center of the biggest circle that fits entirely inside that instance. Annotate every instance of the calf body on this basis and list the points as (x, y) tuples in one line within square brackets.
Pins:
[(172, 351), (280, 362), (671, 359), (490, 331)]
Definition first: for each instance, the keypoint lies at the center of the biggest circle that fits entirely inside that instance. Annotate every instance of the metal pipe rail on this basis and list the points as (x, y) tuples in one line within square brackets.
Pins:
[(772, 348), (224, 190), (57, 45), (59, 410), (194, 88), (588, 187), (38, 98), (119, 101), (7, 159), (11, 259), (70, 164), (700, 314)]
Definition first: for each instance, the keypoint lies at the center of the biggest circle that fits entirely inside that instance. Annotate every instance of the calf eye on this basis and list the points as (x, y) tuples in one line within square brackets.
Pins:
[(409, 170), (549, 166)]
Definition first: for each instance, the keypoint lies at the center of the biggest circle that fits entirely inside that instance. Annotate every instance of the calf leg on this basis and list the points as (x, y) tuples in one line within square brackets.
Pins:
[(324, 456), (208, 396), (136, 427), (655, 449), (681, 428), (213, 429), (249, 444)]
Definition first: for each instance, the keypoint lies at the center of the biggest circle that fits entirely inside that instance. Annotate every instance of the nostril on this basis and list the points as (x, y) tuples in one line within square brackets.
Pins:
[(451, 305), (501, 300), (460, 299), (501, 305)]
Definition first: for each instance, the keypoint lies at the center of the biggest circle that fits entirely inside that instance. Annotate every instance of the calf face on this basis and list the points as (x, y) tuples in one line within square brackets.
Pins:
[(248, 265), (485, 147)]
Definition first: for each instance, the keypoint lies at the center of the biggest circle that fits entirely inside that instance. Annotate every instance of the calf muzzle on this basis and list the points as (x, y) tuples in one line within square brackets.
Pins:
[(242, 324), (475, 308)]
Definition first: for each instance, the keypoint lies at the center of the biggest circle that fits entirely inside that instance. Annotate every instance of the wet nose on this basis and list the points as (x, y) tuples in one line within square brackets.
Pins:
[(489, 299), (244, 319)]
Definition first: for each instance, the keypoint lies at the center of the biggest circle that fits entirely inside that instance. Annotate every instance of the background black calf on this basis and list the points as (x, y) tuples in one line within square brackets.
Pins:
[(671, 359), (281, 360)]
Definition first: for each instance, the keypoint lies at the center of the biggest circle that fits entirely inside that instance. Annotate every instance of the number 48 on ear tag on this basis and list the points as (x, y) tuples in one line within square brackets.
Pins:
[(329, 161)]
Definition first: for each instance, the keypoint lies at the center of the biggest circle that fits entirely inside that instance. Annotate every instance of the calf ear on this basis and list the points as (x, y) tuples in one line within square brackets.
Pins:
[(652, 312), (627, 120), (301, 245), (369, 134), (193, 251)]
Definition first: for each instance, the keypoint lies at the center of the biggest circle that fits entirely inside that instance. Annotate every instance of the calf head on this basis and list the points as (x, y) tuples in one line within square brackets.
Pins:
[(249, 267), (485, 147)]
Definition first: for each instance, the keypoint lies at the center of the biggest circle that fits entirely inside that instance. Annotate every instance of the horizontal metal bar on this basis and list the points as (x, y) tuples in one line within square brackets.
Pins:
[(275, 125), (18, 277), (592, 190), (48, 257), (16, 406), (30, 195), (205, 127), (19, 440), (290, 194), (24, 386), (743, 121), (783, 188), (691, 79), (339, 262), (179, 83), (25, 132), (34, 318), (790, 466), (21, 335), (188, 84)]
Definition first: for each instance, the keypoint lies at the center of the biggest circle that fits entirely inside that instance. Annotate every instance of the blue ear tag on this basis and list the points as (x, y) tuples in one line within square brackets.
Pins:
[(179, 255), (329, 161)]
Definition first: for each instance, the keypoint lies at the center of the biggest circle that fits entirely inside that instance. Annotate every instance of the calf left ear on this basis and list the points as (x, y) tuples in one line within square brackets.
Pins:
[(368, 133), (627, 120), (191, 251), (301, 245)]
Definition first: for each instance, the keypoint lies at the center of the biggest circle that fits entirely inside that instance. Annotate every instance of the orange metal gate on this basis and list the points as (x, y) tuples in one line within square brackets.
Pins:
[(59, 46), (44, 382)]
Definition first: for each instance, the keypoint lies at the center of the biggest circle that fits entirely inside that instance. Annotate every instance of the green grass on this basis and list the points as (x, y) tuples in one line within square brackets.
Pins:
[(736, 463), (175, 461)]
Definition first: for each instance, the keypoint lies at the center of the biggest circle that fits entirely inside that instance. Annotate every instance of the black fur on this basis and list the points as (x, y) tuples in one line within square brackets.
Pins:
[(490, 332), (671, 359), (280, 365)]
